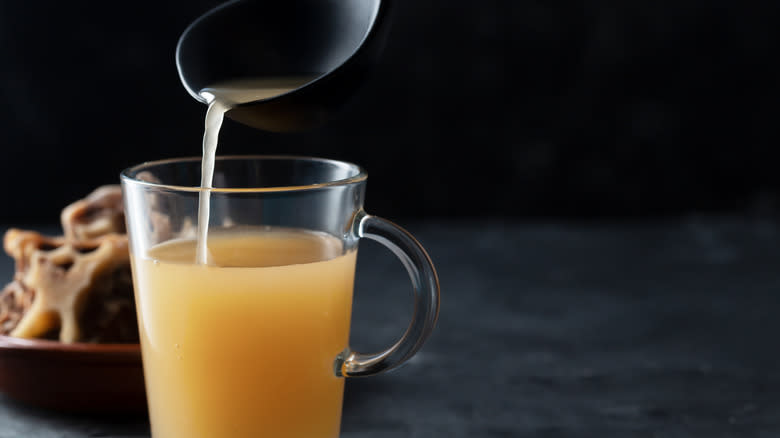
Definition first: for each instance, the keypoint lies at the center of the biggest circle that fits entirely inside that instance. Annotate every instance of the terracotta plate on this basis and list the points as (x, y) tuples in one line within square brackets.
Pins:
[(72, 377)]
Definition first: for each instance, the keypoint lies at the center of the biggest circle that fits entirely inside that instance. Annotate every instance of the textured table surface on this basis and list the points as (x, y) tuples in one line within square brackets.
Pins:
[(652, 329)]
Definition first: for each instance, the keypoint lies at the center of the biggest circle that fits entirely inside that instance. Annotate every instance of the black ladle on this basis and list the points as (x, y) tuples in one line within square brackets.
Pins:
[(335, 42)]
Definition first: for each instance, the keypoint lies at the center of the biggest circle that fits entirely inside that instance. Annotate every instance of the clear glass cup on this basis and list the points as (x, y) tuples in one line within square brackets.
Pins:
[(255, 343)]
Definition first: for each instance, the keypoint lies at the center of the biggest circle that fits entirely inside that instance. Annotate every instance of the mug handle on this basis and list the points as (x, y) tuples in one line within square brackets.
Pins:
[(425, 284)]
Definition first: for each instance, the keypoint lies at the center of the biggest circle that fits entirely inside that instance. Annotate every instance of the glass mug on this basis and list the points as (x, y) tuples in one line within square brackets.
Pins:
[(255, 343)]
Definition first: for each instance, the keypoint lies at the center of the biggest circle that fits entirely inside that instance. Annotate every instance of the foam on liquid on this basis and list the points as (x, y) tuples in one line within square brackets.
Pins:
[(221, 98)]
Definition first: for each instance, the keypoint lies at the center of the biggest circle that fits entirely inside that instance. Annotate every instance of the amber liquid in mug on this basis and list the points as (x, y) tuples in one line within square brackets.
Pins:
[(240, 329), (244, 346)]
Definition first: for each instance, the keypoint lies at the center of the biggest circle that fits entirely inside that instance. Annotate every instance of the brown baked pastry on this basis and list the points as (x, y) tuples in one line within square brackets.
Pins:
[(75, 288)]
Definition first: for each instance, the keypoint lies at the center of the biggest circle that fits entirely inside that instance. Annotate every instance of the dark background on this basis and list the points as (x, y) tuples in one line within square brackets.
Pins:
[(479, 108)]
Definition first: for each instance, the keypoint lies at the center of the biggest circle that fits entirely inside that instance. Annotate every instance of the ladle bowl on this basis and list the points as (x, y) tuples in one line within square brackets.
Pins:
[(334, 42)]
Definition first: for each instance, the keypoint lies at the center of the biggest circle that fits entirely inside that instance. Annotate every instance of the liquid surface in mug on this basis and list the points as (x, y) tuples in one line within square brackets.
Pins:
[(221, 98), (244, 347)]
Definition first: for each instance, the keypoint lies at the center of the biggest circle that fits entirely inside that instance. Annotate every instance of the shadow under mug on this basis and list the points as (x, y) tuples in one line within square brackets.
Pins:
[(257, 342)]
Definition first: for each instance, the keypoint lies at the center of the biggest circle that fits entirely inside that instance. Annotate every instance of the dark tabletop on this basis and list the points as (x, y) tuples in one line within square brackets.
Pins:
[(651, 329)]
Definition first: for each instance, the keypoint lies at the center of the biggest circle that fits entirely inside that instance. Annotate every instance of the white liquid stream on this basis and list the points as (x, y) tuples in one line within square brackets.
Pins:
[(221, 98), (214, 116)]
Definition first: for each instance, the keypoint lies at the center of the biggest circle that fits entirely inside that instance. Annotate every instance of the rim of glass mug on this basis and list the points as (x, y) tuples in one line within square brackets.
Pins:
[(357, 173)]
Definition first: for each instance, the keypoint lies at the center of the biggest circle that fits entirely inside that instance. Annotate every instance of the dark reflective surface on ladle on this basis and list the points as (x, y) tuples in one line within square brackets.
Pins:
[(335, 42)]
